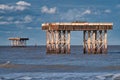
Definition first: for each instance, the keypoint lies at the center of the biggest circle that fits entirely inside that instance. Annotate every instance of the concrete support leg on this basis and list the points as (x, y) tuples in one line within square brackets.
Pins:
[(96, 41), (93, 42), (89, 42), (48, 41), (84, 42), (100, 42), (68, 41), (105, 41), (58, 41)]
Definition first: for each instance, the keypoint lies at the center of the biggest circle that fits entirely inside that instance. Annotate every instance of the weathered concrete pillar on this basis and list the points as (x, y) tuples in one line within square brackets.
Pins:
[(100, 42), (84, 41), (47, 41), (89, 42), (68, 41), (105, 41), (57, 41), (93, 42), (96, 41)]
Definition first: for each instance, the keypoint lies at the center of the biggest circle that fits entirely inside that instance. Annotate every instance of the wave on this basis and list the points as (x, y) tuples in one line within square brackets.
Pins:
[(61, 76), (6, 63)]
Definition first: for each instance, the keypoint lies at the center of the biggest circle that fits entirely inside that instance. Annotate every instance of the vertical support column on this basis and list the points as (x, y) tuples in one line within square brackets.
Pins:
[(12, 42), (93, 42), (57, 41), (68, 40), (96, 42), (15, 42), (23, 42), (52, 41), (84, 41), (101, 42), (64, 42), (47, 41), (19, 43), (105, 41), (88, 42)]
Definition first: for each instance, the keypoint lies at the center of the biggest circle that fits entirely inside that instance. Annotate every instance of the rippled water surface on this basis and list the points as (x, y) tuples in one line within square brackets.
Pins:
[(32, 63)]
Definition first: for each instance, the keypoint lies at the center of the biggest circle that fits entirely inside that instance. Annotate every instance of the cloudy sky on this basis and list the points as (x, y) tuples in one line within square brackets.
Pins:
[(23, 18)]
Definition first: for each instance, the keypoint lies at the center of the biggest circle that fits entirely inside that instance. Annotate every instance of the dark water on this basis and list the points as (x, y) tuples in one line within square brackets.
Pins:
[(32, 63)]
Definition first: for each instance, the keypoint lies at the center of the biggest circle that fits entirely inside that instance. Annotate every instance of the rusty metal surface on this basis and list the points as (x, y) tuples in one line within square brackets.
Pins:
[(77, 26), (18, 38)]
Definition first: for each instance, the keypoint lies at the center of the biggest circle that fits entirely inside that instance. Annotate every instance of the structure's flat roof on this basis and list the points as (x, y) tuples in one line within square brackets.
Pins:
[(18, 38), (77, 26)]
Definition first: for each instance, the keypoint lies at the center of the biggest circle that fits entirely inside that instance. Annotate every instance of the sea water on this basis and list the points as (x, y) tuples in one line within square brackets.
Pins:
[(32, 63)]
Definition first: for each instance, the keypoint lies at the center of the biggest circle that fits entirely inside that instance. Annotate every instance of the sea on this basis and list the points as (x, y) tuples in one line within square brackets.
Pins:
[(32, 63)]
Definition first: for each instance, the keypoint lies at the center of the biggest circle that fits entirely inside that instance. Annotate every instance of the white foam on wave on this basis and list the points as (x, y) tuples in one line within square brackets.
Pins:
[(100, 77), (105, 76), (24, 78), (116, 77), (62, 76), (6, 63)]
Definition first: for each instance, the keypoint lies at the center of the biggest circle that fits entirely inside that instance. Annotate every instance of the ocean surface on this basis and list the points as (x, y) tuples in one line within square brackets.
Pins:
[(32, 63)]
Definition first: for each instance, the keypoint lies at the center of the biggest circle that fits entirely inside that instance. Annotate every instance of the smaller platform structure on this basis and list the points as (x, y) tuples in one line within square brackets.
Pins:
[(21, 42)]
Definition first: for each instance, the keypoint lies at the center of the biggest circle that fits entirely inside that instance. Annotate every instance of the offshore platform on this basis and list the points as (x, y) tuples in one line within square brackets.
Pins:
[(20, 42), (94, 36)]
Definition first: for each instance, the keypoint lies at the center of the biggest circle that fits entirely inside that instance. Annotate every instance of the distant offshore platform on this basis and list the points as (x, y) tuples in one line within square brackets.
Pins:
[(94, 36), (19, 42)]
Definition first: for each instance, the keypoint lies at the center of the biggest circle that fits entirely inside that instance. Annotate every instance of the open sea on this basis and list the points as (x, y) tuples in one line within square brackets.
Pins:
[(32, 63)]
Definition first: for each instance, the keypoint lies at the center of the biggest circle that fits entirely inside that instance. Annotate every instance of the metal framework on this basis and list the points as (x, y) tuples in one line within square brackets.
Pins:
[(18, 41), (58, 41), (95, 41), (94, 36)]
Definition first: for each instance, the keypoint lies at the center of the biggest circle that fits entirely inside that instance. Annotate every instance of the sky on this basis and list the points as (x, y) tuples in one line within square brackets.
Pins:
[(23, 18)]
